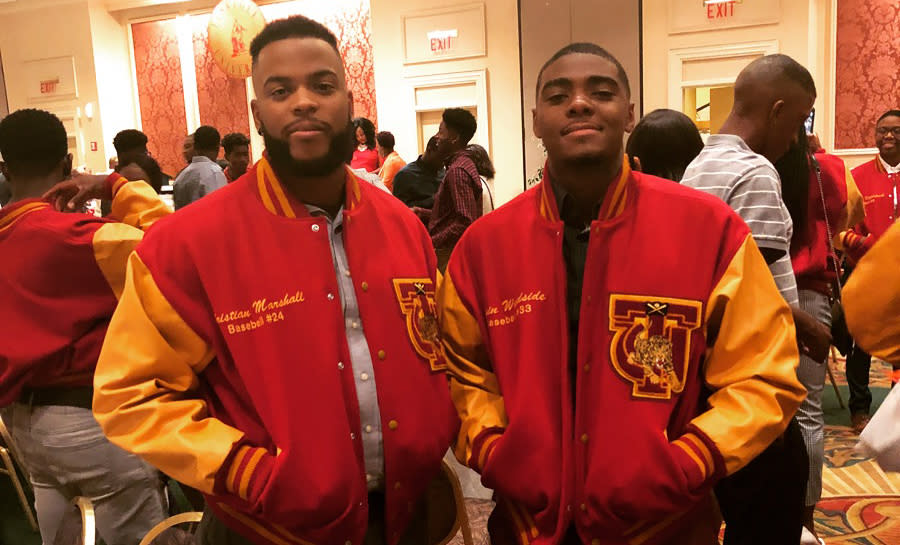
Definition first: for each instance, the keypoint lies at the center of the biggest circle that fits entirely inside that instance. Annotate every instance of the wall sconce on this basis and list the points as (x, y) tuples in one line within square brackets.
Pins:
[(89, 111)]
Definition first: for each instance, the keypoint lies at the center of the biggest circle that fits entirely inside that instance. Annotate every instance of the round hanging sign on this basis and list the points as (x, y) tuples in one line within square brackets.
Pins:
[(232, 26)]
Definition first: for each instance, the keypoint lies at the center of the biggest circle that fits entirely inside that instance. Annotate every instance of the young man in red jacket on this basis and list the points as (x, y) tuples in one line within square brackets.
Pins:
[(616, 342), (61, 276), (265, 353), (877, 181)]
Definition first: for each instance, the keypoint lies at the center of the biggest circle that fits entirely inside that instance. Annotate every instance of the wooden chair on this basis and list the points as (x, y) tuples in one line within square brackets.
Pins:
[(448, 483), (191, 518), (8, 453)]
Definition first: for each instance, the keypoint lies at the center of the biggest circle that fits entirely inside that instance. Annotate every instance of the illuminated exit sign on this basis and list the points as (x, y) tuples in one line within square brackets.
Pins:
[(720, 9)]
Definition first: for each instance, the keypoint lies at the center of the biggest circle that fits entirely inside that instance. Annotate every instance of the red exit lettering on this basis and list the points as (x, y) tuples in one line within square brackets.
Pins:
[(439, 45), (720, 10), (49, 86)]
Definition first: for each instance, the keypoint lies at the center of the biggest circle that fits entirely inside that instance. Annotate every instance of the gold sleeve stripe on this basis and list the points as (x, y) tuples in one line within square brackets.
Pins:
[(118, 184), (520, 526), (146, 387), (751, 362), (113, 243), (248, 472), (690, 452), (233, 470), (698, 452), (872, 297)]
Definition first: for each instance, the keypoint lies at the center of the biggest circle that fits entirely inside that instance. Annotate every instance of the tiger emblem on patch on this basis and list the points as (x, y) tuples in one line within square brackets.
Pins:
[(651, 342), (416, 299)]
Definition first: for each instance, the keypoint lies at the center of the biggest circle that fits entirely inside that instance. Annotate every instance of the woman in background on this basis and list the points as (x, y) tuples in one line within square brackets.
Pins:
[(365, 155), (663, 144), (486, 171)]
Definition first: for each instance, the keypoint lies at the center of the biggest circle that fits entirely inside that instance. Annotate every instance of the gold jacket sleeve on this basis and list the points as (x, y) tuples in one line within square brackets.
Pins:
[(751, 362), (145, 382), (136, 207), (473, 386), (872, 298), (854, 212)]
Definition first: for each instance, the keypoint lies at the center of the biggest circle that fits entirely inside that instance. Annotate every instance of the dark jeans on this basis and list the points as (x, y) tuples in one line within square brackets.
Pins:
[(764, 501), (858, 365)]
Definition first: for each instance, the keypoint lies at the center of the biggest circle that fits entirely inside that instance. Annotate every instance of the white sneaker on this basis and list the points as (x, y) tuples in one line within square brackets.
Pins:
[(808, 538)]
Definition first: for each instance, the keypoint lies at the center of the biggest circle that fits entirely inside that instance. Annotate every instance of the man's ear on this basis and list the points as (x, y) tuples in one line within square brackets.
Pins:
[(254, 108), (3, 170), (776, 110), (629, 125), (534, 124), (67, 166), (350, 103)]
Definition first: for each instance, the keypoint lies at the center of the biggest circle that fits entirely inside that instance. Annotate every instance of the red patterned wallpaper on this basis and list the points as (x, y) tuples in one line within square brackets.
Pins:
[(160, 91), (868, 79), (222, 100), (350, 20)]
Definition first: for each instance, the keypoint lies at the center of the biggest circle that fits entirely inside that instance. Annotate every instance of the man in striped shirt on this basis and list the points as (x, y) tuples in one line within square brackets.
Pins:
[(773, 97)]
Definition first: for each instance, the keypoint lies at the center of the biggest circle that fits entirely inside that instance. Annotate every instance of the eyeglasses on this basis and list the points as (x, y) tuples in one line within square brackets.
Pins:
[(882, 131)]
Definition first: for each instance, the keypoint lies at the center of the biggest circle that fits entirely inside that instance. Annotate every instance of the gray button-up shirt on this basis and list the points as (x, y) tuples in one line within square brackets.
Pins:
[(201, 177), (360, 363)]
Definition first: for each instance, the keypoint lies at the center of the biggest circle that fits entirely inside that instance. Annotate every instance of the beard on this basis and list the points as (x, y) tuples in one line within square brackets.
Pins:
[(340, 149)]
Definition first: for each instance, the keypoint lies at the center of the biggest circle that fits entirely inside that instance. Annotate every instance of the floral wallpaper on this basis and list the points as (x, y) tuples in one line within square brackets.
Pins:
[(868, 79), (222, 100), (160, 91)]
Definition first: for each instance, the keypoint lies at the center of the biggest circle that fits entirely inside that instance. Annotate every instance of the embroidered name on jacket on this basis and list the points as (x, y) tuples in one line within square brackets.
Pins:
[(261, 312), (416, 299), (651, 343)]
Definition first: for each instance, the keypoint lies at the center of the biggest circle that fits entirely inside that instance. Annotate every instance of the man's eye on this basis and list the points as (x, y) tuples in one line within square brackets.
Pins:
[(325, 87)]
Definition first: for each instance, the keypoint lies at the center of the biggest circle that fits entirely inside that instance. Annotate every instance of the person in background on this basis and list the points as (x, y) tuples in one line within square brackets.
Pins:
[(663, 144), (267, 354), (365, 155), (130, 141), (822, 199), (203, 175), (877, 181), (610, 356), (417, 182), (391, 162), (773, 96), (187, 149), (237, 153), (137, 166), (458, 201), (486, 171), (872, 296), (59, 294)]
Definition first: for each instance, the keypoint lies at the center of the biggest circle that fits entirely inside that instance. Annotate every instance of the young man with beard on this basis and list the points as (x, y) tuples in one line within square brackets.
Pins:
[(877, 181), (310, 404), (603, 344)]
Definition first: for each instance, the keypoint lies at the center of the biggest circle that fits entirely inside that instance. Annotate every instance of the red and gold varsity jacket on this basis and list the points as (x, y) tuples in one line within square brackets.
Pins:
[(843, 207), (686, 361), (872, 296), (224, 363), (880, 193), (61, 275)]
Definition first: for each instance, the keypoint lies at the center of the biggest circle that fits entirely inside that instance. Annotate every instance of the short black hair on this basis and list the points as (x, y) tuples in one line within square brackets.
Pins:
[(297, 26), (206, 138), (368, 129), (792, 70), (32, 142), (462, 122), (587, 48), (666, 141), (232, 140), (889, 113), (386, 140), (130, 140), (482, 161), (148, 164)]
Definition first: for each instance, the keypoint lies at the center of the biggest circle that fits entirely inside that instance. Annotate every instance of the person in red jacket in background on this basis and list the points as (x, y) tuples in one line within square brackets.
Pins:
[(365, 155), (823, 200), (877, 181), (611, 357), (61, 276), (265, 354)]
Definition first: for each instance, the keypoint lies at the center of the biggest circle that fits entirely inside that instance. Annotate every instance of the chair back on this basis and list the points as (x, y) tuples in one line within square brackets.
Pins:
[(191, 518)]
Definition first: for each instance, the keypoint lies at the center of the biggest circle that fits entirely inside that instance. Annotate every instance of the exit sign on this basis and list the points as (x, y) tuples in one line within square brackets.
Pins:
[(48, 87), (720, 10)]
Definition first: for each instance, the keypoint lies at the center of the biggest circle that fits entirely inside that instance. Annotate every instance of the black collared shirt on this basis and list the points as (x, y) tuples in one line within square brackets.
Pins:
[(576, 236)]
